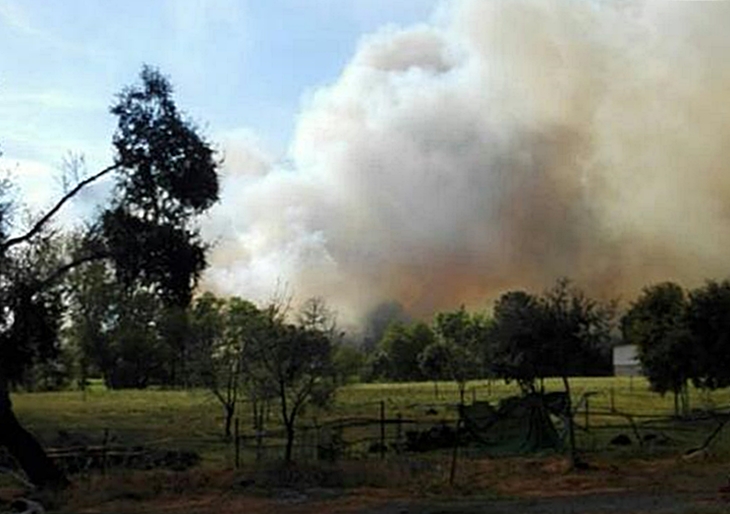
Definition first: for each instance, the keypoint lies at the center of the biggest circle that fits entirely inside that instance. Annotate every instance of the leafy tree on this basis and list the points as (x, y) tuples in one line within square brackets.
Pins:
[(517, 350), (295, 363), (139, 357), (348, 360), (433, 363), (224, 330), (401, 345), (708, 320), (455, 353), (577, 329), (166, 174), (557, 334), (91, 296), (657, 323), (173, 326)]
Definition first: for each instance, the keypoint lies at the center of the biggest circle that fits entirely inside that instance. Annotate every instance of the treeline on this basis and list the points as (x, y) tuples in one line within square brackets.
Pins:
[(130, 339)]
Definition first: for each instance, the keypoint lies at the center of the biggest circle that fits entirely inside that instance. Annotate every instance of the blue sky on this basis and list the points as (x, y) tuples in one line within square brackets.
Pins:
[(235, 64)]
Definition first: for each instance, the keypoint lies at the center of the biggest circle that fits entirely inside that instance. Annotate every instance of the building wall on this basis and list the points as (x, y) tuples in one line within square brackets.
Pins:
[(630, 370), (626, 361)]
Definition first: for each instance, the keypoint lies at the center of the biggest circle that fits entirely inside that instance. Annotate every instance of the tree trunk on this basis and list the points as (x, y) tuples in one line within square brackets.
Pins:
[(289, 441), (26, 450), (230, 410), (571, 425)]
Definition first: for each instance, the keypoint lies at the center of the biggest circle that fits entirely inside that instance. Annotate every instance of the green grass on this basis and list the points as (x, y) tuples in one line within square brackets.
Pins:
[(193, 419)]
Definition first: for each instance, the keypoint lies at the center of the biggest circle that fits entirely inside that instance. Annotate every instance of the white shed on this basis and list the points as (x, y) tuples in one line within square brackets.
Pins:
[(626, 361)]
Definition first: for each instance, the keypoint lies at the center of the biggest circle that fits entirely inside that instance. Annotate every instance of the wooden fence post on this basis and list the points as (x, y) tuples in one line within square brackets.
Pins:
[(613, 405), (382, 429), (455, 453), (237, 444), (103, 451)]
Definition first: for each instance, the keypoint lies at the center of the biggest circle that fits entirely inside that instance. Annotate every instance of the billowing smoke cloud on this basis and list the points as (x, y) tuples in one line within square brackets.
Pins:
[(506, 145)]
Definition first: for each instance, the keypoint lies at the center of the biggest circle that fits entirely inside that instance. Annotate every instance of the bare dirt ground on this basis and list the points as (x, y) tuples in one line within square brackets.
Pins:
[(516, 485)]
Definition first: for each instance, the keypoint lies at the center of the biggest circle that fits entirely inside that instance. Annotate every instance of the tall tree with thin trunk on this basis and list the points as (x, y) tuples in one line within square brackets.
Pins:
[(165, 174)]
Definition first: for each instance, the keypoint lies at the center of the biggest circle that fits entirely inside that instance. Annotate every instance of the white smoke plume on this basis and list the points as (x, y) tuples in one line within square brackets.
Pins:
[(503, 145)]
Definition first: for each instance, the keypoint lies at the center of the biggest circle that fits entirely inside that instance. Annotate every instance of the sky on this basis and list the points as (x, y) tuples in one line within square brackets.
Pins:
[(435, 153), (236, 65)]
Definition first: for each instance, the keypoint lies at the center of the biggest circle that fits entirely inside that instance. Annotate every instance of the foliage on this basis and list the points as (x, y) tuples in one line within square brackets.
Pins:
[(222, 331), (657, 323), (348, 360), (577, 330), (166, 175), (517, 350), (399, 350), (561, 333), (456, 352), (294, 364), (378, 320), (708, 320)]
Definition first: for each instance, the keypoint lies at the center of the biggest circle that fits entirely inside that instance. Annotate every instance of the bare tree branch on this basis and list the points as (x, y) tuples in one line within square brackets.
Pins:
[(58, 273), (47, 216)]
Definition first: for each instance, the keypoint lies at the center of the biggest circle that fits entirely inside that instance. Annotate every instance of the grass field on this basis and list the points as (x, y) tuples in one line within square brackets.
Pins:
[(193, 419)]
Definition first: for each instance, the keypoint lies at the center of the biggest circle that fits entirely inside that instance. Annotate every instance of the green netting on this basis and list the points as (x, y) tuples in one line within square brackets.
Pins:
[(520, 424)]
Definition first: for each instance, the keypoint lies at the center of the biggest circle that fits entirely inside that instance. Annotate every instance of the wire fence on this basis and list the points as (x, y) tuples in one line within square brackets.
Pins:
[(612, 419)]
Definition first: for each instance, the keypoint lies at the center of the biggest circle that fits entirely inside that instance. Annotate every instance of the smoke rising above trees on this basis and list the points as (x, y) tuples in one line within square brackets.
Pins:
[(496, 147)]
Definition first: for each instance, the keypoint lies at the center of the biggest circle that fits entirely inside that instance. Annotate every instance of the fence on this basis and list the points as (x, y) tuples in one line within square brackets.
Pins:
[(599, 423), (361, 429), (366, 436)]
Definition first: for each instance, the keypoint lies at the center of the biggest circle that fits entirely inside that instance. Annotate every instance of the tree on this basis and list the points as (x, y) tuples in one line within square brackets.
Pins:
[(295, 363), (517, 350), (576, 330), (91, 295), (657, 323), (225, 331), (401, 345), (556, 335), (139, 357), (348, 360), (166, 174), (708, 320), (455, 353)]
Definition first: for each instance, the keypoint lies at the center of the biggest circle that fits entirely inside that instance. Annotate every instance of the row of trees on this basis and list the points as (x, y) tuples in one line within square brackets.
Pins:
[(528, 337), (682, 337)]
